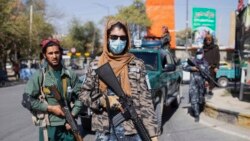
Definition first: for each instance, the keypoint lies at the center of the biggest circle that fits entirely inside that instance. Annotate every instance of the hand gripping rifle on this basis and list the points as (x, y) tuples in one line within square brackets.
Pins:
[(203, 73), (107, 75), (69, 118)]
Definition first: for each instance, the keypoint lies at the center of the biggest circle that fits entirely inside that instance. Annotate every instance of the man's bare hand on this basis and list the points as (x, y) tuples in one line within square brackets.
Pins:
[(113, 101), (215, 70), (56, 110), (195, 69), (206, 84), (67, 126), (154, 139)]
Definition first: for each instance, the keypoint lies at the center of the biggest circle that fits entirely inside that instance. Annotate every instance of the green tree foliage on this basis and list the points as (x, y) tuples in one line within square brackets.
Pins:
[(10, 30), (182, 34), (84, 37), (15, 28), (135, 15)]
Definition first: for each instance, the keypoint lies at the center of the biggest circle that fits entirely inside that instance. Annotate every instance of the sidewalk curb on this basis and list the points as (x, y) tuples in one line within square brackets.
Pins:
[(232, 117), (12, 83), (221, 126)]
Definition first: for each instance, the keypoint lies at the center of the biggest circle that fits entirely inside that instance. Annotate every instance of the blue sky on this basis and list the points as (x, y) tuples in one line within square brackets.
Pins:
[(94, 10)]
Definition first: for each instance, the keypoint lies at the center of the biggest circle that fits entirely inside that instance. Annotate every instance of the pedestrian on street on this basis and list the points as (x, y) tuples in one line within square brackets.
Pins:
[(3, 76), (197, 84), (166, 38), (131, 74), (16, 69), (212, 56), (37, 97)]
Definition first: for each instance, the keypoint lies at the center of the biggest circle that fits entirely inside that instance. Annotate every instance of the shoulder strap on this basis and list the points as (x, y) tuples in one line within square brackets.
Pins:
[(42, 82), (41, 77), (45, 121), (64, 83)]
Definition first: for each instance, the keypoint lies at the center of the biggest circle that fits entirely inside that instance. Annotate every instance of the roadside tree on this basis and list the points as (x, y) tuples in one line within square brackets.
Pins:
[(84, 37)]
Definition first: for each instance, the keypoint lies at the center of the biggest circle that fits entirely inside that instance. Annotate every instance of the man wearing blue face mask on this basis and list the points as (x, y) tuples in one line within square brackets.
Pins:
[(197, 83), (131, 73)]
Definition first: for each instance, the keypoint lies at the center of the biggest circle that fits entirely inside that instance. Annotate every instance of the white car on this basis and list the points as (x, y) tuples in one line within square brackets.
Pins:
[(185, 77), (185, 74), (8, 65)]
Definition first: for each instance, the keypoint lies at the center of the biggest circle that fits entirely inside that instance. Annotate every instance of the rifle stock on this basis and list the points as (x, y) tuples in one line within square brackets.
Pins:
[(66, 110), (107, 75), (191, 63)]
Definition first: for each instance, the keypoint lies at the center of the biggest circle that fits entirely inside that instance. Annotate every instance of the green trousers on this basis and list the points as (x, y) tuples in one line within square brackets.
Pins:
[(57, 133)]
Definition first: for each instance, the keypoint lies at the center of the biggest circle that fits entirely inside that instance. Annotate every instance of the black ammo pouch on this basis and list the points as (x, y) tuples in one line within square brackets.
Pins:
[(26, 102)]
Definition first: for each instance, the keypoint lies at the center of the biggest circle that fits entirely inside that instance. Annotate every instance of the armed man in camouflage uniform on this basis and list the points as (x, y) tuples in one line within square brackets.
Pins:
[(38, 99), (197, 84), (131, 74)]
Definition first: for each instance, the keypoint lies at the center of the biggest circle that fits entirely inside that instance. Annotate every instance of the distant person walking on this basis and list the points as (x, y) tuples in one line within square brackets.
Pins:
[(3, 76), (16, 69), (166, 38), (212, 56)]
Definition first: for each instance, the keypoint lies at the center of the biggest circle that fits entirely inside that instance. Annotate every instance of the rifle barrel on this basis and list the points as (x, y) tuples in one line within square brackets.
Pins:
[(69, 118), (107, 75)]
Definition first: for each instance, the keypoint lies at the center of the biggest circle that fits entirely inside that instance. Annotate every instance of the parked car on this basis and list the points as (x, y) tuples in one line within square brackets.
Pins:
[(225, 64), (164, 73), (227, 73), (8, 65), (185, 74)]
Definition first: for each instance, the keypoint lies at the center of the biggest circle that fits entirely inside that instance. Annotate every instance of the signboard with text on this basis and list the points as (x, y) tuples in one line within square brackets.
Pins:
[(203, 22)]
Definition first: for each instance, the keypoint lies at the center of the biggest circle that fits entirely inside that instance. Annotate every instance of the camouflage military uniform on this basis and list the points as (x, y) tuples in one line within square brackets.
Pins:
[(140, 96), (197, 86)]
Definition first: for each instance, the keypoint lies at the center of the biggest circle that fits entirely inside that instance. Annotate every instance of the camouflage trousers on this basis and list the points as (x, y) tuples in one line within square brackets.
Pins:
[(118, 135), (197, 103)]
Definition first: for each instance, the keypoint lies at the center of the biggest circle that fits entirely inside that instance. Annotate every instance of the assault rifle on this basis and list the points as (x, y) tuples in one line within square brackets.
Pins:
[(107, 75), (69, 118), (203, 73)]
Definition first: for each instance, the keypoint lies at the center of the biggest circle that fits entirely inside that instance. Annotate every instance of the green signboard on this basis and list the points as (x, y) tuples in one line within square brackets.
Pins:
[(203, 22)]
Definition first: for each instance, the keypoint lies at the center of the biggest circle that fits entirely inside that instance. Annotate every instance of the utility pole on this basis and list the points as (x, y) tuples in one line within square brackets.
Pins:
[(139, 6), (186, 25), (186, 32), (93, 42), (31, 22)]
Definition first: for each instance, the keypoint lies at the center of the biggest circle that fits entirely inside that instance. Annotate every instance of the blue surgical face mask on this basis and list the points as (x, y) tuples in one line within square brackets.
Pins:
[(199, 56), (117, 46)]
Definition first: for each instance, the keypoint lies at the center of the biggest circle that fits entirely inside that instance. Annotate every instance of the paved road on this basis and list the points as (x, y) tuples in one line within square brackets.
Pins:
[(16, 123), (180, 126)]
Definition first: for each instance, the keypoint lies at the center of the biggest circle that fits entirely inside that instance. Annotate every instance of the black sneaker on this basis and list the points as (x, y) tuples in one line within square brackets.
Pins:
[(210, 93), (196, 119)]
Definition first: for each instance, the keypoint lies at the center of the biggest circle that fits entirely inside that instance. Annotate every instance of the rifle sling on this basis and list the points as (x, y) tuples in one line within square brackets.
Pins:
[(64, 83), (46, 116)]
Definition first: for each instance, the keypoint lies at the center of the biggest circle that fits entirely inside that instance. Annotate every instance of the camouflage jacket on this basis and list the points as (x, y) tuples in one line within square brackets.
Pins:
[(141, 97)]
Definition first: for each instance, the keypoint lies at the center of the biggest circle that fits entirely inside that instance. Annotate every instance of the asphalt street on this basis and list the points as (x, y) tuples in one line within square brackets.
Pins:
[(16, 122)]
